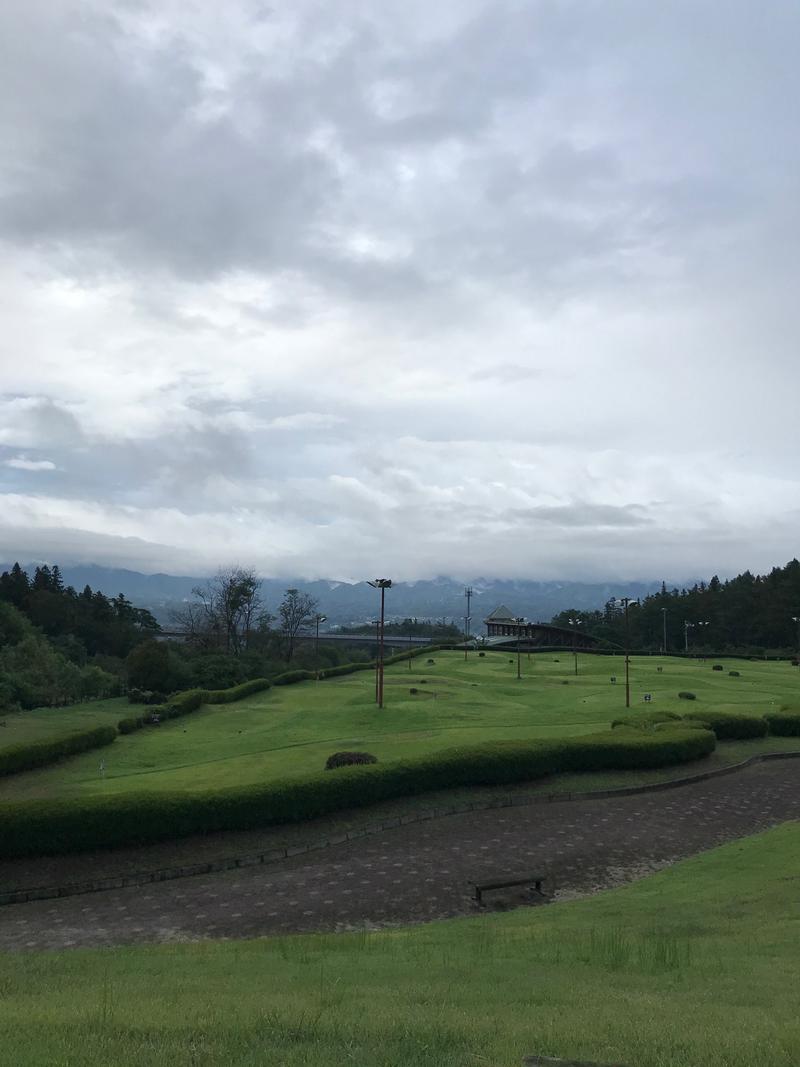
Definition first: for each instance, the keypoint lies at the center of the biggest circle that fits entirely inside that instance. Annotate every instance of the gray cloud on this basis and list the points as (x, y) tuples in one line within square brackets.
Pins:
[(457, 288)]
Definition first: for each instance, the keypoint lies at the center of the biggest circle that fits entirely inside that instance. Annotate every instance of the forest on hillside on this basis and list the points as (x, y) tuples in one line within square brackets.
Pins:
[(750, 614)]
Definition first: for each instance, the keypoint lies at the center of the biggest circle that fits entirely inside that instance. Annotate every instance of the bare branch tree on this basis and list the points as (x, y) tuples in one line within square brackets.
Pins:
[(295, 609), (228, 610)]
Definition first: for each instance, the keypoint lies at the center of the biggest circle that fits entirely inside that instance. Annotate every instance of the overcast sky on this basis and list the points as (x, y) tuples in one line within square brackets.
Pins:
[(506, 288)]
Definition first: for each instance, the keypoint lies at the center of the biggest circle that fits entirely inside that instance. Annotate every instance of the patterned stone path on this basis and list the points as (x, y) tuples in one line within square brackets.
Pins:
[(420, 872)]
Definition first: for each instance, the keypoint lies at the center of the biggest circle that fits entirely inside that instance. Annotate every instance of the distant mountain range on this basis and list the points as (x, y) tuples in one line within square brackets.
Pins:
[(345, 603)]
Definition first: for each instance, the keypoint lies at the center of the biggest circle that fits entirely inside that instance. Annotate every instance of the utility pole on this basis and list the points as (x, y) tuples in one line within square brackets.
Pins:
[(519, 623), (317, 620), (664, 641), (625, 601), (467, 620), (574, 622), (383, 584)]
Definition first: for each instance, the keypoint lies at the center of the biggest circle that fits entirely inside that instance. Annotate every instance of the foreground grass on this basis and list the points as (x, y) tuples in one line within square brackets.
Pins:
[(694, 967), (291, 730)]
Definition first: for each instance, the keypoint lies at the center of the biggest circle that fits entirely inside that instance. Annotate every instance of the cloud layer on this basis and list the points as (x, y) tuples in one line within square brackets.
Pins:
[(497, 288)]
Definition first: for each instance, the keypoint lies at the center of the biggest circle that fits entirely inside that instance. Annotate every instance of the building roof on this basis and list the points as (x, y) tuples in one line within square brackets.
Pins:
[(501, 614)]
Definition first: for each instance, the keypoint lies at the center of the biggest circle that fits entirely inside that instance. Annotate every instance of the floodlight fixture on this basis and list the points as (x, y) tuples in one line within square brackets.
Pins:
[(383, 584)]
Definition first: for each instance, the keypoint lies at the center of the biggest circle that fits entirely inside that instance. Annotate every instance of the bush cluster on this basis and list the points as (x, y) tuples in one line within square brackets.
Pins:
[(80, 823), (734, 674), (729, 727), (686, 695), (145, 696), (784, 723), (348, 759), (717, 667), (38, 753)]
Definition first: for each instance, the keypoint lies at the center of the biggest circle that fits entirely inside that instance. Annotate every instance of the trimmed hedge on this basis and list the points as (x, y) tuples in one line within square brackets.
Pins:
[(237, 692), (729, 727), (784, 723), (39, 753), (290, 677), (76, 824), (647, 721), (346, 668)]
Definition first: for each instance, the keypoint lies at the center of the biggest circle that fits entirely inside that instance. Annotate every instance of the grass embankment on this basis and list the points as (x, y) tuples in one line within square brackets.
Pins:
[(288, 731), (694, 967)]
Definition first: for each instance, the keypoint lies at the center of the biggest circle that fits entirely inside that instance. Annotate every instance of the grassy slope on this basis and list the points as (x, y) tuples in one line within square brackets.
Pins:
[(292, 729), (44, 724), (694, 967)]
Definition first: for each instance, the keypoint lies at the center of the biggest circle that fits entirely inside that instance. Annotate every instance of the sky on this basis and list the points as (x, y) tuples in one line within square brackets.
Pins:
[(479, 287)]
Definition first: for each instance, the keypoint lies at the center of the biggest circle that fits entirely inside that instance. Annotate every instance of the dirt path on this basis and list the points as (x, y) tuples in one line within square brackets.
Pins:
[(420, 872)]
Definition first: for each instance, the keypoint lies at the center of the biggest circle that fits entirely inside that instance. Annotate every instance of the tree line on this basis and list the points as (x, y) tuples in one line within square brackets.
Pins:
[(750, 615), (58, 645)]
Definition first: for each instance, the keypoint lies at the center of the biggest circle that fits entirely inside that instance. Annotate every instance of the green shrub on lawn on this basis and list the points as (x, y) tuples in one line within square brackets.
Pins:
[(685, 695), (784, 723), (730, 727), (79, 823), (39, 753)]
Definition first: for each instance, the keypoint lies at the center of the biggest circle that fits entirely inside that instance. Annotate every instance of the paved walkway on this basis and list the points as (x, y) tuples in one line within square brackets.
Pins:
[(420, 872)]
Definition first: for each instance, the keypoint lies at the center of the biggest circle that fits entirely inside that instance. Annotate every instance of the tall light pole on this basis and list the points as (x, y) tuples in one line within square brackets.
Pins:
[(625, 601), (519, 621), (574, 621), (664, 641), (686, 627), (383, 584), (467, 620), (317, 620)]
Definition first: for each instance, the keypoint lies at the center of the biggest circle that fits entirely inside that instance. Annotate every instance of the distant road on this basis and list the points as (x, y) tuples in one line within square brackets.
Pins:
[(363, 639)]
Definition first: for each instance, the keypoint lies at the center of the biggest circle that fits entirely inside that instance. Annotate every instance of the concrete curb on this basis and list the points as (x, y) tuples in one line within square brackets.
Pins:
[(275, 855)]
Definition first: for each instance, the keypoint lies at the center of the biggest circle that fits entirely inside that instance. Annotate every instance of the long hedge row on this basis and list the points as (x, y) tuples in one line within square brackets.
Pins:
[(78, 824), (39, 753)]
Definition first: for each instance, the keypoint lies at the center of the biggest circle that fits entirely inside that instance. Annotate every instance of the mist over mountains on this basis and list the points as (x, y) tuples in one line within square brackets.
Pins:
[(344, 603)]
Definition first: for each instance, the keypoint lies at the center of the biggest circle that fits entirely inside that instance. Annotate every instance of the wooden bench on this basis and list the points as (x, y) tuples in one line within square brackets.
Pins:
[(532, 880)]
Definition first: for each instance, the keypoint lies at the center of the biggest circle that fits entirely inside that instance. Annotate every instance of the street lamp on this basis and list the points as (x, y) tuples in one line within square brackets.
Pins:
[(796, 621), (625, 601), (686, 627), (467, 620), (574, 621), (383, 584), (317, 620), (664, 641), (519, 621)]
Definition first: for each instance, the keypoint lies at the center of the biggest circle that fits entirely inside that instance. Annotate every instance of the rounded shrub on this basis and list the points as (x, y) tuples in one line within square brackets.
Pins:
[(413, 690), (349, 759), (481, 654), (684, 695), (717, 667), (430, 661), (734, 674)]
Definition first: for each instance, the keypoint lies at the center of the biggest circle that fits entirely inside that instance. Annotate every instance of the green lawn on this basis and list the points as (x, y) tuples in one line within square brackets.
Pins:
[(694, 967), (291, 730), (44, 724)]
